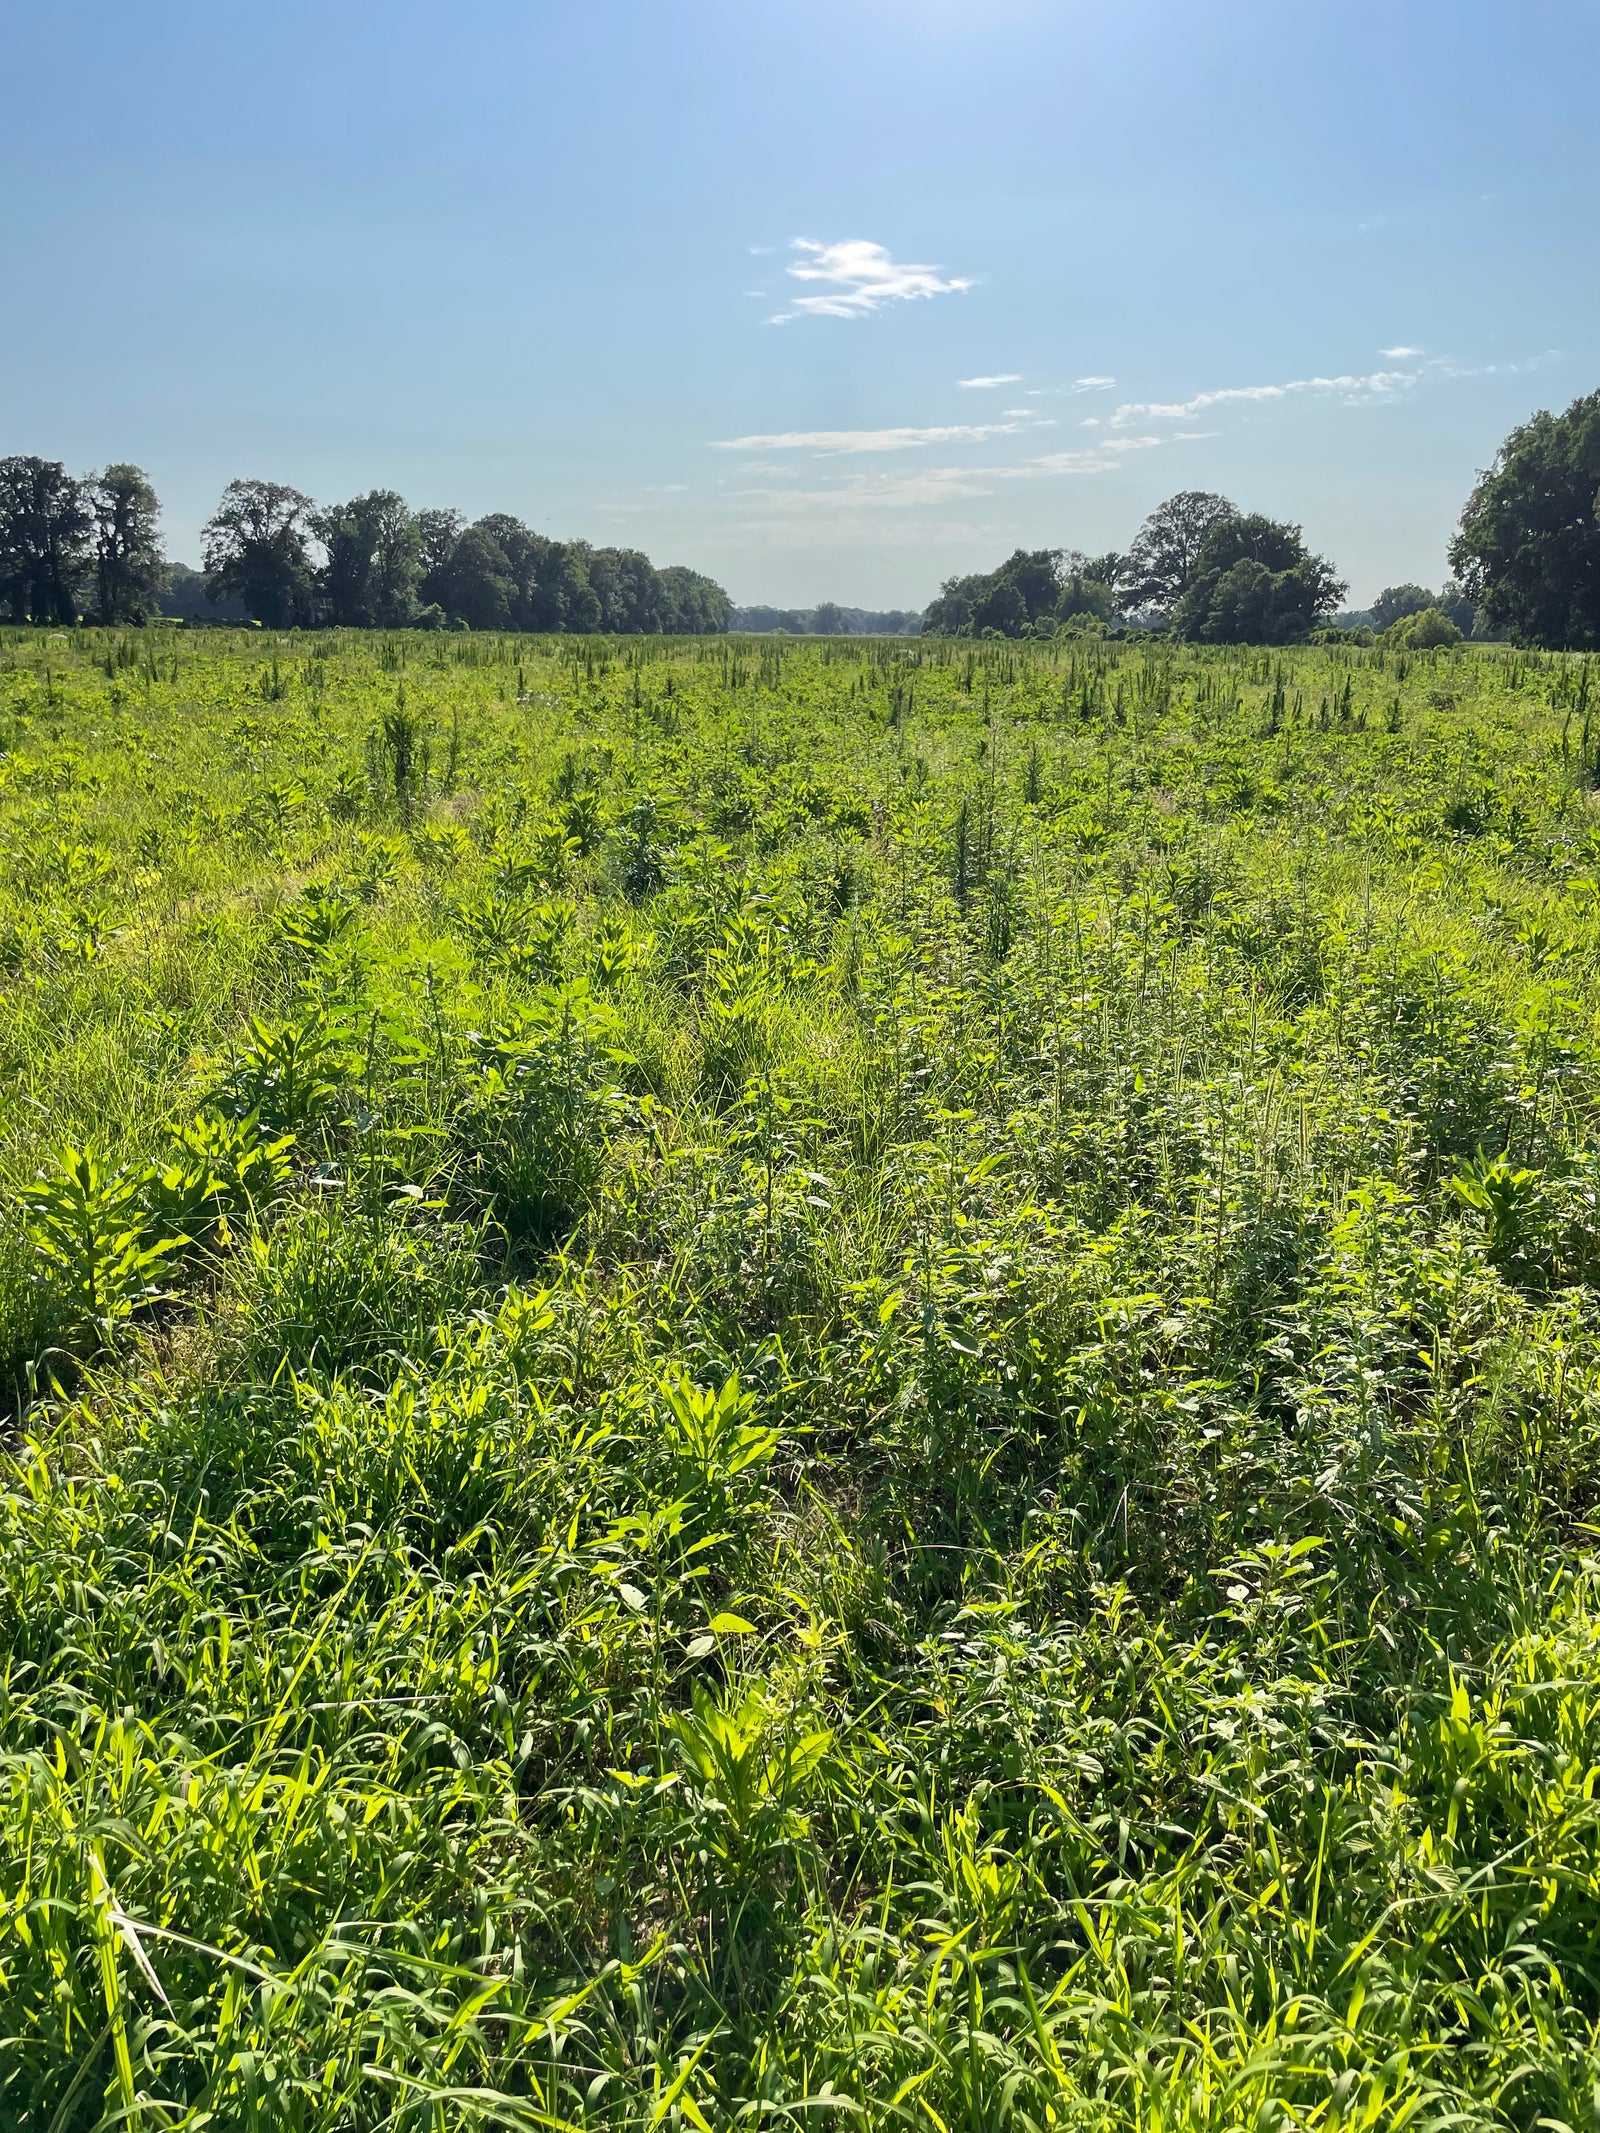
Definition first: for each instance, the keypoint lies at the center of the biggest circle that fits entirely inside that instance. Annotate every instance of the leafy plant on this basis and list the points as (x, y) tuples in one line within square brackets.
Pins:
[(90, 1226), (289, 1074), (1506, 1198), (751, 1777)]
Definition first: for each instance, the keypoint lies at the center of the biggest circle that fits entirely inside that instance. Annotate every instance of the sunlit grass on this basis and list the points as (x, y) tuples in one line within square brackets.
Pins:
[(847, 1384)]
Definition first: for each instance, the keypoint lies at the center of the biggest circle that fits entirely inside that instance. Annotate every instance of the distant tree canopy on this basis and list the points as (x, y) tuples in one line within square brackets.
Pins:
[(1396, 603), (829, 619), (1526, 558), (1528, 548), (257, 547), (70, 547), (1162, 561), (46, 529), (185, 598), (1198, 567), (373, 547), (1254, 581), (129, 572), (1034, 593)]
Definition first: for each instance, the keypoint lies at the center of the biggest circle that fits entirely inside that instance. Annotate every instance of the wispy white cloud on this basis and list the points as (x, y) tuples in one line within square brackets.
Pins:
[(982, 385), (1399, 354), (856, 277), (1071, 389), (1370, 388), (1051, 465), (1376, 385), (856, 498), (866, 505), (892, 440)]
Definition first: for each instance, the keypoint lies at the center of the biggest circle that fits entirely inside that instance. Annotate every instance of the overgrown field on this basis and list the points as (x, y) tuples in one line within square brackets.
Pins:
[(847, 1385)]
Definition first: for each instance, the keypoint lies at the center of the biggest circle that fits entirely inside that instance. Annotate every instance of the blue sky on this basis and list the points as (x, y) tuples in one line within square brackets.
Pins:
[(705, 276)]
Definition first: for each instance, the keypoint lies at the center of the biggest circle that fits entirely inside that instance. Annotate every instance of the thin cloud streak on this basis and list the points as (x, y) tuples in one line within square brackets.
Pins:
[(844, 442), (865, 493), (1377, 384), (1373, 388), (980, 385)]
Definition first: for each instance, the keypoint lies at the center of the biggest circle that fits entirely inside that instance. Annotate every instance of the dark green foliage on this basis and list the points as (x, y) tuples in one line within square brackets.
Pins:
[(46, 523), (1028, 596), (129, 574), (689, 603), (497, 574), (1528, 547), (183, 597), (373, 566), (257, 549), (1395, 602), (1162, 561), (66, 545), (1254, 582)]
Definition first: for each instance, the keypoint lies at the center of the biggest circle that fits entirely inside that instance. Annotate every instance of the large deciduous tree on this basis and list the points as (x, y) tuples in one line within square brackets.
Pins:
[(1254, 581), (256, 546), (1157, 569), (1528, 548), (373, 546), (45, 527), (129, 570)]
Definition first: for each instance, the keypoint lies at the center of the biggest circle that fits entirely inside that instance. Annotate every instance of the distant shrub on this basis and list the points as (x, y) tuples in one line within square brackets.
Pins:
[(1425, 631)]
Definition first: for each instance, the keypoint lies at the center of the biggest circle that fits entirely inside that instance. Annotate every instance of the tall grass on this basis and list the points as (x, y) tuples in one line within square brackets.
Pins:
[(756, 1385)]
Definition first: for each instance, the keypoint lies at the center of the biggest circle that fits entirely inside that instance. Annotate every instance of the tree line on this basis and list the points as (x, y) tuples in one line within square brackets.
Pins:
[(828, 619), (91, 545), (1526, 558)]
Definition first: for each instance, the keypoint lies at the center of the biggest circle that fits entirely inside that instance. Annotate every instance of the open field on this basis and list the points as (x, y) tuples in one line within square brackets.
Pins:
[(850, 1385)]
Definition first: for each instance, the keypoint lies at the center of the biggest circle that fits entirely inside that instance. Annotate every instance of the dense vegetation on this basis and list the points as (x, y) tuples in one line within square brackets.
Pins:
[(1528, 546), (1199, 568), (70, 548), (833, 1385)]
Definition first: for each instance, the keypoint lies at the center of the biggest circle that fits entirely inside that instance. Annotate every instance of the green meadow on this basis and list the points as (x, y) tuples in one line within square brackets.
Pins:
[(833, 1385)]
